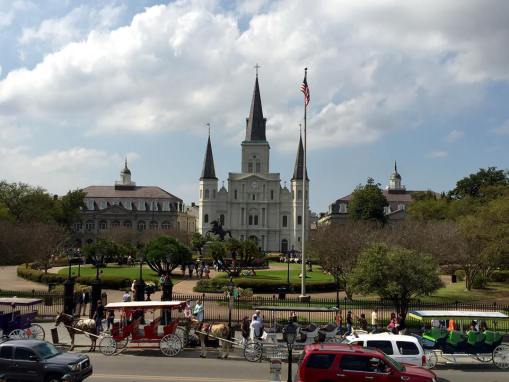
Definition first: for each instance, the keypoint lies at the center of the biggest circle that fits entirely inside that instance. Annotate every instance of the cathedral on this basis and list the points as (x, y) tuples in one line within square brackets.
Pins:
[(255, 206)]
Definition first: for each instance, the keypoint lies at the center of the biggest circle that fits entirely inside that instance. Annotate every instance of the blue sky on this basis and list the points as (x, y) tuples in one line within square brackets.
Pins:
[(84, 84)]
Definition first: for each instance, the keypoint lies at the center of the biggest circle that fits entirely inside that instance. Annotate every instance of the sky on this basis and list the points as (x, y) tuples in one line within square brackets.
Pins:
[(84, 84)]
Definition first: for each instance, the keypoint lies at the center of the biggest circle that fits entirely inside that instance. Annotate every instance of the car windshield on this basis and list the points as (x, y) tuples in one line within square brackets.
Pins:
[(46, 350), (394, 363)]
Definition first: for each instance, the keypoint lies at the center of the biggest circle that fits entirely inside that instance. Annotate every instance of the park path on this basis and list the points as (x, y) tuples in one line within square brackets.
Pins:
[(9, 280)]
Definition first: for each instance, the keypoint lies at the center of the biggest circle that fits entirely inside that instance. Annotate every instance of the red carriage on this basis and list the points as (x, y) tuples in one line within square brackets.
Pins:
[(134, 329)]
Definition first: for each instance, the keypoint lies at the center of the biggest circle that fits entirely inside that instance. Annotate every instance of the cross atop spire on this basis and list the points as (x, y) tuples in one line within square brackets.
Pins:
[(256, 68), (208, 125)]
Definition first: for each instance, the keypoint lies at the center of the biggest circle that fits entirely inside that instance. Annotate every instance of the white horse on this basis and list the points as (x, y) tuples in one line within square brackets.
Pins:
[(78, 326), (219, 331)]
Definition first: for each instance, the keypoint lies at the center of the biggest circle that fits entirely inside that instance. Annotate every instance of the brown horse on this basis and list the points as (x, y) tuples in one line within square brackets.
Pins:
[(78, 326), (216, 331)]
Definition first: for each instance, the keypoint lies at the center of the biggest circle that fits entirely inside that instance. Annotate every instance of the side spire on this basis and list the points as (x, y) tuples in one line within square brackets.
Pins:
[(208, 171), (255, 123), (299, 162)]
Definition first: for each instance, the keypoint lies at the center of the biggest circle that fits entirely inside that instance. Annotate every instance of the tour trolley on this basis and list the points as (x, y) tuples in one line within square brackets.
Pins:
[(484, 346), (16, 318), (130, 333)]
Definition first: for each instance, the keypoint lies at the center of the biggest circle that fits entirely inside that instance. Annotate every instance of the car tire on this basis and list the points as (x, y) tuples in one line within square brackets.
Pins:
[(53, 378)]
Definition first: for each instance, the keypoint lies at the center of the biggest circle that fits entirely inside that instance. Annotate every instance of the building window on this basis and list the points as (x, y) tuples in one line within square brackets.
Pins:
[(254, 196), (115, 224), (128, 224), (241, 237), (90, 225), (256, 220), (285, 221), (250, 167), (78, 226), (242, 219), (221, 219), (299, 195), (154, 225), (250, 220), (103, 225), (142, 226), (206, 218), (298, 239), (201, 194), (103, 204), (299, 220), (258, 167), (271, 194), (166, 226), (235, 194), (213, 194), (207, 193), (284, 245), (178, 226)]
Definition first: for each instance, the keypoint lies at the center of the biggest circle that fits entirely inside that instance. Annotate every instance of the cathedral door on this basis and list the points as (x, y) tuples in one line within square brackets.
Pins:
[(284, 245)]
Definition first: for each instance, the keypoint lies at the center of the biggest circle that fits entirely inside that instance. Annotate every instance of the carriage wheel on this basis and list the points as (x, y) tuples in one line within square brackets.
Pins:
[(107, 345), (253, 352), (431, 359), (18, 334), (182, 334), (36, 332), (170, 345), (485, 358), (121, 344), (501, 356)]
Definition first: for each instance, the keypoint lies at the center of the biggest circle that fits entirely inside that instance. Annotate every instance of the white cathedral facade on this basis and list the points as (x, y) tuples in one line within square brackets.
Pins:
[(255, 206)]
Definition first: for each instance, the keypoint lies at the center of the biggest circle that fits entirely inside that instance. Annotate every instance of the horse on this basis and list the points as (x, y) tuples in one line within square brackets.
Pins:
[(78, 326), (219, 331)]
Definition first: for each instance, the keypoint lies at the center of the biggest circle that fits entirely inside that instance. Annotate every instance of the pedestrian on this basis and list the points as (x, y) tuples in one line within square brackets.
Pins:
[(349, 323), (199, 311), (256, 328), (110, 319), (190, 268), (245, 329), (84, 300), (401, 324), (188, 314), (183, 269), (393, 323), (104, 298), (363, 323), (339, 323), (374, 320), (99, 316), (207, 271), (133, 288), (293, 317), (202, 269), (126, 297)]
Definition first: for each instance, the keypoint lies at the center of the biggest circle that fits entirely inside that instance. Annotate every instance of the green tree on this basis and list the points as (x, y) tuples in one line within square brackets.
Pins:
[(198, 241), (233, 255), (475, 185), (429, 209), (26, 203), (4, 212), (164, 253), (397, 274), (368, 202), (67, 209)]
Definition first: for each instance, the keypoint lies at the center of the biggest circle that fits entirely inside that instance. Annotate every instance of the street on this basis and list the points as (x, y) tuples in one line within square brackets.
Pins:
[(149, 365)]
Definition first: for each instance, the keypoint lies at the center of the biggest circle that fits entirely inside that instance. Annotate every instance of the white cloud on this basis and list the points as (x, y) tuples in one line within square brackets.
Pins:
[(62, 169), (374, 67), (454, 136), (437, 154), (503, 129)]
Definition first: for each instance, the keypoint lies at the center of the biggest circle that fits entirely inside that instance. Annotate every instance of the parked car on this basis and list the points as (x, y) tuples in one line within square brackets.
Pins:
[(33, 360), (404, 349), (341, 362)]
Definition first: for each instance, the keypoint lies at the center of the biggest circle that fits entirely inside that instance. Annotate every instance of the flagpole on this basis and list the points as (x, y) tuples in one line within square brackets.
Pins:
[(304, 178)]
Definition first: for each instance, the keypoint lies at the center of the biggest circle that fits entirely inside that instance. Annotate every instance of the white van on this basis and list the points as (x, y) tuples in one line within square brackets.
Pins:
[(404, 349)]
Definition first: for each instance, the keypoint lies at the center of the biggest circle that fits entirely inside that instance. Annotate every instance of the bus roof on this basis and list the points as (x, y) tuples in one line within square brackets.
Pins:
[(455, 314)]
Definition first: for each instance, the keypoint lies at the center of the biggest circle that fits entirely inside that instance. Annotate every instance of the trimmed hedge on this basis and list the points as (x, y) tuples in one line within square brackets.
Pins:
[(500, 276), (108, 282), (216, 285)]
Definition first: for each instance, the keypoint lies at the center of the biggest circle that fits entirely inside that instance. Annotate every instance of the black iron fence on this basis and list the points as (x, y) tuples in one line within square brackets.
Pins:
[(217, 307)]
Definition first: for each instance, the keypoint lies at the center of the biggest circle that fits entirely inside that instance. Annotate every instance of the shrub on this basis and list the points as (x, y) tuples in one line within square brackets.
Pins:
[(217, 285), (460, 275), (479, 282), (500, 276)]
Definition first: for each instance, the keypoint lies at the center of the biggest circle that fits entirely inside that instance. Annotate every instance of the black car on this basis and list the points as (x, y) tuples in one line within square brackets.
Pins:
[(33, 360)]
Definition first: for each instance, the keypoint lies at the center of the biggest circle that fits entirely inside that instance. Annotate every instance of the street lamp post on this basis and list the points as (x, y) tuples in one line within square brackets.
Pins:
[(69, 289), (289, 334), (80, 259), (336, 278), (230, 285), (139, 286), (96, 286)]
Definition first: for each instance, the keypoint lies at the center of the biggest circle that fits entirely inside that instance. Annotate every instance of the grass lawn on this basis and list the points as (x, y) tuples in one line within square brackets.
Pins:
[(281, 275), (498, 292), (131, 273)]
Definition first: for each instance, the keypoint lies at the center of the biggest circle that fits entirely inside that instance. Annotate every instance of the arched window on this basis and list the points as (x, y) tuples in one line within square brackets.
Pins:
[(256, 220), (128, 224), (221, 219), (299, 220), (285, 221), (258, 167), (103, 225), (250, 167), (207, 193), (206, 218), (90, 225), (142, 226), (154, 225), (115, 224), (271, 194), (250, 220), (299, 195), (235, 194), (166, 225)]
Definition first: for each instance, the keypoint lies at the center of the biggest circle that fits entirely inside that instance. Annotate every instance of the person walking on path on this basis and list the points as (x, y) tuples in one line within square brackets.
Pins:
[(99, 316), (83, 301), (339, 323), (245, 329), (190, 267), (374, 320), (363, 323), (110, 319), (349, 323), (126, 297), (206, 270), (199, 311)]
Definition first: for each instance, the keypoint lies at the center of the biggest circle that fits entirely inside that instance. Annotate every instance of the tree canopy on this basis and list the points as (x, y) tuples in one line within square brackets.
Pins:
[(395, 273), (368, 202), (165, 253), (475, 185)]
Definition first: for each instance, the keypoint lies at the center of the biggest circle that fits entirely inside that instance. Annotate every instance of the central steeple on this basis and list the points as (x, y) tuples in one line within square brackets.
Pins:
[(255, 123)]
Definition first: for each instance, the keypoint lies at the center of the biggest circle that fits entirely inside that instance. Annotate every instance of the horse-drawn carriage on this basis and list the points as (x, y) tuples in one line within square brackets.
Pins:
[(451, 343), (129, 332), (16, 318)]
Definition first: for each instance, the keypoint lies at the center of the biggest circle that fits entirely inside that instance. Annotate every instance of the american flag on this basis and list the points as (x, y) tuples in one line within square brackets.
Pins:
[(304, 88)]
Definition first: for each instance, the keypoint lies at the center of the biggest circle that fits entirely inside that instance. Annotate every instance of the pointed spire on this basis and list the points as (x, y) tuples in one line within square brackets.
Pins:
[(299, 162), (255, 123), (208, 171), (126, 169), (395, 167)]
